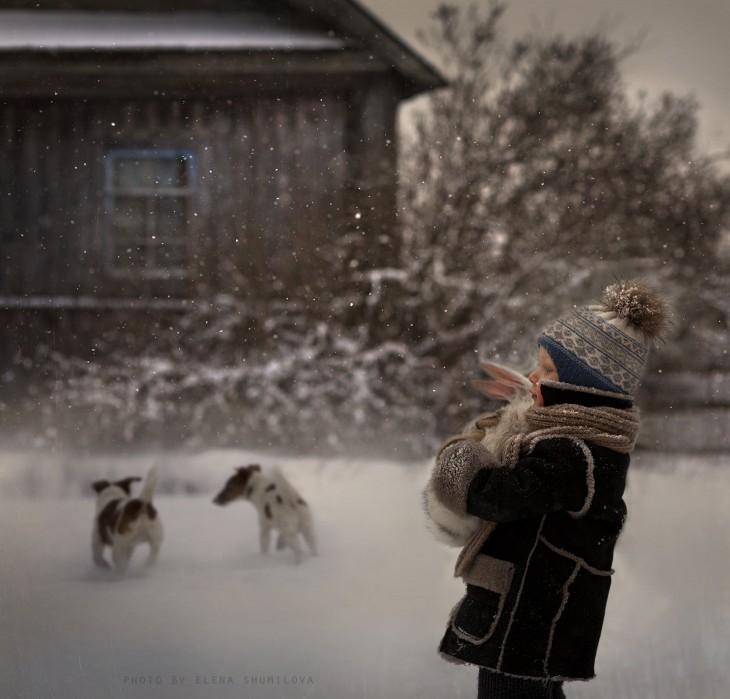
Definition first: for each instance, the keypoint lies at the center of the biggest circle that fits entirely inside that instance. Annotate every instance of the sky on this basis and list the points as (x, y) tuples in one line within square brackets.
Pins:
[(685, 47)]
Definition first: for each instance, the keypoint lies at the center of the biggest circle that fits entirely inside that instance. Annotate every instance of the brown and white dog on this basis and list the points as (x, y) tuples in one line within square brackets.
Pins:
[(278, 504), (122, 521)]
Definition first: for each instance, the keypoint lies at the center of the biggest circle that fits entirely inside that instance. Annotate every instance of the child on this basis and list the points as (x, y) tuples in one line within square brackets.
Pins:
[(538, 568)]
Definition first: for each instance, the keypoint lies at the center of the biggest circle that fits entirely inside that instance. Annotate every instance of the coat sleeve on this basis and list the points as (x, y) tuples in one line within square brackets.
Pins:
[(554, 476)]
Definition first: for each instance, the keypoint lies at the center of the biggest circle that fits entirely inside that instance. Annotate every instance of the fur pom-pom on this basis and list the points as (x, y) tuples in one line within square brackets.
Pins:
[(640, 305)]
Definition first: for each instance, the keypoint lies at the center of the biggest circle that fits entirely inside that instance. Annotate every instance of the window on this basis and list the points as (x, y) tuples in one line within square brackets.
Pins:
[(148, 198)]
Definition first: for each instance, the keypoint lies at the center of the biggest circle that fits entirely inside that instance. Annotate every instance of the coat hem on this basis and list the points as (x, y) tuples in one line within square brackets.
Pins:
[(542, 678)]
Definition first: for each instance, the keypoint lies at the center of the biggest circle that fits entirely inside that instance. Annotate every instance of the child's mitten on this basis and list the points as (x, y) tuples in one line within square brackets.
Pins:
[(444, 498), (455, 469)]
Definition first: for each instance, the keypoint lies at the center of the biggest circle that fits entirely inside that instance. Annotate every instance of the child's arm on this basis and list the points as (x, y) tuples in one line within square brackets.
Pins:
[(553, 477)]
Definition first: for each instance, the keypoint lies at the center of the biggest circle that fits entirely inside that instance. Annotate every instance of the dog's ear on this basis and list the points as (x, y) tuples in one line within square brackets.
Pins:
[(126, 483), (98, 486), (249, 468)]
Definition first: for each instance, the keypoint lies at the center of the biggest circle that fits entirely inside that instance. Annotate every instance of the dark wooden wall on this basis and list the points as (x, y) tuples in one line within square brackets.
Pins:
[(279, 176)]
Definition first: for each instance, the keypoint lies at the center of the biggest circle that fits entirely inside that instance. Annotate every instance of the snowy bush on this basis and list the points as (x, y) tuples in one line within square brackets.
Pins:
[(307, 385)]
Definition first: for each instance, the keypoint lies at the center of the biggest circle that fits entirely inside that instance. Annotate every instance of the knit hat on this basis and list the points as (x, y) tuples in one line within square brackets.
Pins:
[(606, 346)]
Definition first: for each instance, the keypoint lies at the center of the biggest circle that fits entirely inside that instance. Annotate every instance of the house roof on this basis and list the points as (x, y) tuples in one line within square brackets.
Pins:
[(321, 26), (353, 19), (54, 30)]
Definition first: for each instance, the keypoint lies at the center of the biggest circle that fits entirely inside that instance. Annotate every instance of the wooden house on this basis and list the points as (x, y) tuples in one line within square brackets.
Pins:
[(157, 151)]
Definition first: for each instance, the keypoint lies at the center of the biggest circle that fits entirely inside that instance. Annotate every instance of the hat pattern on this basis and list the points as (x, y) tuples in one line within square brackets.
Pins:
[(606, 346), (592, 352)]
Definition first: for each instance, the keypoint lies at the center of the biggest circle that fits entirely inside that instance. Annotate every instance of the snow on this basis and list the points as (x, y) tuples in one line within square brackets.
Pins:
[(363, 619), (36, 29)]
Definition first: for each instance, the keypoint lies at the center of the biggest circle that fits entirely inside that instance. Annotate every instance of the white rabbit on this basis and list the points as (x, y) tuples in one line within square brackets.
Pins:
[(507, 384)]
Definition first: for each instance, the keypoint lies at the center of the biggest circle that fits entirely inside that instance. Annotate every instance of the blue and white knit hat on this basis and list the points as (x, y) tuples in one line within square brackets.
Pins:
[(606, 346)]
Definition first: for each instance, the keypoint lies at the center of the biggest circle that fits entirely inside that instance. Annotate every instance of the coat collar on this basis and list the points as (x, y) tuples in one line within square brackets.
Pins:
[(556, 393)]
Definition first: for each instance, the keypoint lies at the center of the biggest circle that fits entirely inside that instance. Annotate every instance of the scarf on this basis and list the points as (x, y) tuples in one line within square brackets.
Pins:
[(614, 428)]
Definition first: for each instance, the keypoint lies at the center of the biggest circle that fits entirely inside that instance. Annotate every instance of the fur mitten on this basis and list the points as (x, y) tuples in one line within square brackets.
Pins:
[(455, 469), (444, 497), (479, 446)]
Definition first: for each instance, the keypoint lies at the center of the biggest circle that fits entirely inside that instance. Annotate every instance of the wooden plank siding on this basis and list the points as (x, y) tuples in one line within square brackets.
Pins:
[(272, 177), (292, 141)]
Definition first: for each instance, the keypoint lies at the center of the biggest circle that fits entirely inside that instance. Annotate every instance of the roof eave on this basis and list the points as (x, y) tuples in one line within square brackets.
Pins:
[(415, 74)]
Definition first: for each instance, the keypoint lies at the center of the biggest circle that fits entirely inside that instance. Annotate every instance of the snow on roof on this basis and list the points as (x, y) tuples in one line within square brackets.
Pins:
[(39, 30)]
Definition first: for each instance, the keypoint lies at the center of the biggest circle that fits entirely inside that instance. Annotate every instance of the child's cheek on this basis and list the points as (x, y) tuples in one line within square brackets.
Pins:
[(539, 402)]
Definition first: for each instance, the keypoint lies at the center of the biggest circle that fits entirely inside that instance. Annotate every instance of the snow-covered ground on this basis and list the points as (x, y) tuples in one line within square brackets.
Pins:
[(217, 619)]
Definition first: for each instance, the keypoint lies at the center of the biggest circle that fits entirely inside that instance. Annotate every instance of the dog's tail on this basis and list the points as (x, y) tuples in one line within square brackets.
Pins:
[(150, 483)]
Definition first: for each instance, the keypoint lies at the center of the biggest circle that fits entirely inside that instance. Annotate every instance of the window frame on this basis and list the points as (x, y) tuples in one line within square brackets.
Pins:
[(150, 269)]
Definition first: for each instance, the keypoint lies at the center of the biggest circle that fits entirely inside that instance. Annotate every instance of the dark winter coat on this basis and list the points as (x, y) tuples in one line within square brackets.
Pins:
[(537, 589)]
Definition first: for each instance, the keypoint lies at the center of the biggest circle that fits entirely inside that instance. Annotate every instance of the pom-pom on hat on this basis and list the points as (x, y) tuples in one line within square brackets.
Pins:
[(606, 346)]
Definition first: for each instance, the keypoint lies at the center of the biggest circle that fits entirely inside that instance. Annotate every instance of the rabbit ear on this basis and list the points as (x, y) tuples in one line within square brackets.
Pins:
[(508, 384), (493, 389)]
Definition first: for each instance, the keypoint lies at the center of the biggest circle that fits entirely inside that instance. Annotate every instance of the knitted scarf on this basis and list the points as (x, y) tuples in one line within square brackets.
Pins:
[(613, 428), (606, 427)]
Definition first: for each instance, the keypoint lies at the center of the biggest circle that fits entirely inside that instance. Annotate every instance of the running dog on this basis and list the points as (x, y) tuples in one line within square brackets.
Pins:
[(122, 521), (278, 504)]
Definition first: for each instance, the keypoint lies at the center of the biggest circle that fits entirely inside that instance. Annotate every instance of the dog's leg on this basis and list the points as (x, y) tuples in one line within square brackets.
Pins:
[(121, 553), (97, 550), (291, 536), (280, 543), (152, 556), (155, 541), (306, 529), (296, 547), (265, 538)]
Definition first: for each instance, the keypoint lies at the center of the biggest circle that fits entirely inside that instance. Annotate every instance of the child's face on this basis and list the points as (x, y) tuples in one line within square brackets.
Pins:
[(545, 370)]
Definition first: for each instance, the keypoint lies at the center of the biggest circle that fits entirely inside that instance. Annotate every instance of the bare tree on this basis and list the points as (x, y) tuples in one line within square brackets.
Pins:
[(534, 177)]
